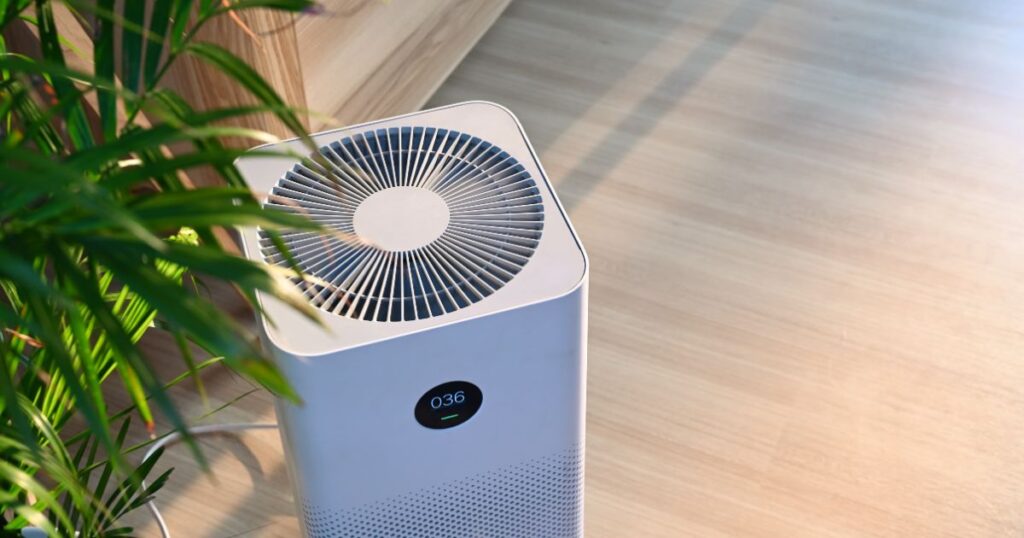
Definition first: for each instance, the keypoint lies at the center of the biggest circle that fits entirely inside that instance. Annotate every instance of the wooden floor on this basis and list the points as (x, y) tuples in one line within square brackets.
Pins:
[(806, 226)]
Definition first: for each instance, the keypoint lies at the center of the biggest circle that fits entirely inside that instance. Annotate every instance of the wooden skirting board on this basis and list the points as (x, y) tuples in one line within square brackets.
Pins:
[(348, 61), (373, 58)]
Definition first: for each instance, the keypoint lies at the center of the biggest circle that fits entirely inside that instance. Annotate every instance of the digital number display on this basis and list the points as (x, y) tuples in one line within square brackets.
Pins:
[(448, 404), (448, 399)]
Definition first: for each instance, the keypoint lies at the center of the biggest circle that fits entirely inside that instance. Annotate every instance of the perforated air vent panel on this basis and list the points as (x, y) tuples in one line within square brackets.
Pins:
[(425, 221), (540, 498)]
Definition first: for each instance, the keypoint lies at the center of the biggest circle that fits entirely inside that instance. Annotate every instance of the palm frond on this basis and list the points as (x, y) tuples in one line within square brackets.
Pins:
[(95, 246)]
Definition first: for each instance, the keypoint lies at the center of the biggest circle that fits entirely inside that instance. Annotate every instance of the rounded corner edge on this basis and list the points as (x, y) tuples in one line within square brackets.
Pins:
[(483, 102), (584, 279), (282, 349)]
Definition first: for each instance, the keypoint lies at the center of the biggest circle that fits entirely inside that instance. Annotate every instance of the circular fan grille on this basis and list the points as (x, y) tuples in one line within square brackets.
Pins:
[(492, 222)]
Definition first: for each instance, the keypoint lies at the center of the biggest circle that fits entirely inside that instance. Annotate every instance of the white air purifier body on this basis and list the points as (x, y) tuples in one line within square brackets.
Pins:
[(444, 394)]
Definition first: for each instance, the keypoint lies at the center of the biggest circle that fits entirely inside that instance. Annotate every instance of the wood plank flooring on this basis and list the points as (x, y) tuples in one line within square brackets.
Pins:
[(806, 226)]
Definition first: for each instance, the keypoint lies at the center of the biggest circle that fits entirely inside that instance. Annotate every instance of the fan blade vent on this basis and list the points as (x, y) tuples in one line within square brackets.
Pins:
[(495, 220)]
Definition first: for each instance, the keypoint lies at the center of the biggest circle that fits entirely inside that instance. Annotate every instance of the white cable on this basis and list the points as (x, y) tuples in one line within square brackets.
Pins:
[(34, 532), (195, 431)]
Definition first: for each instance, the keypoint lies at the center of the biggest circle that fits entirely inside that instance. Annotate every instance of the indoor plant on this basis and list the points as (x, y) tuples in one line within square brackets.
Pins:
[(99, 233)]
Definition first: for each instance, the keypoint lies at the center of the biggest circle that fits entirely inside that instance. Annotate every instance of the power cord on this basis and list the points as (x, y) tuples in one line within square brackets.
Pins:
[(35, 532), (195, 431)]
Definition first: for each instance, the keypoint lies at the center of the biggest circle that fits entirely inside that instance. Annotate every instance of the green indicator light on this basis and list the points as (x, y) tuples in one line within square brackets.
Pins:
[(450, 416)]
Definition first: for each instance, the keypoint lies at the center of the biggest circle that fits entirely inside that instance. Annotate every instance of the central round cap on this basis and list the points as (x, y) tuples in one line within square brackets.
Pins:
[(401, 218)]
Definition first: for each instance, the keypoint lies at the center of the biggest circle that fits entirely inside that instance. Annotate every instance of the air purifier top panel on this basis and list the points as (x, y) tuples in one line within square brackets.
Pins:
[(432, 218)]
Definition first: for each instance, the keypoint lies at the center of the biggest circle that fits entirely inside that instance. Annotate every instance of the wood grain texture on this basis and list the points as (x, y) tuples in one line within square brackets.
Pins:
[(368, 59), (265, 40), (807, 240)]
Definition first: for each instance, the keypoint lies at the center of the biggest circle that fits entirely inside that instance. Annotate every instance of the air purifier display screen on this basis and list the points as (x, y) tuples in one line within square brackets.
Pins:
[(448, 404)]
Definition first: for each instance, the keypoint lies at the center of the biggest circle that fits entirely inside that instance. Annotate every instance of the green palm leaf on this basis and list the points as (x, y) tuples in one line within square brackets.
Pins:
[(95, 247)]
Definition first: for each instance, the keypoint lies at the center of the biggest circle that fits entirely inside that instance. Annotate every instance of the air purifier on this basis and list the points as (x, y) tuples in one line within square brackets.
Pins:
[(443, 394)]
